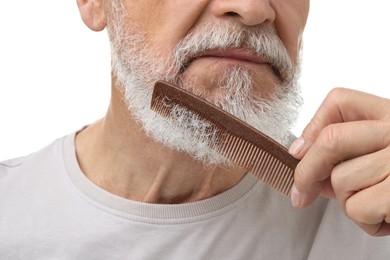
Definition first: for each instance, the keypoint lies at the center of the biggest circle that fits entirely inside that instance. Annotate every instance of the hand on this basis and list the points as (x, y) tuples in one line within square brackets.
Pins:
[(345, 152)]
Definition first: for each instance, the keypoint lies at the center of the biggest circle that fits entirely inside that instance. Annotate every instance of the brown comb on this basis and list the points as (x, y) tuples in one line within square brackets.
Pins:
[(238, 141)]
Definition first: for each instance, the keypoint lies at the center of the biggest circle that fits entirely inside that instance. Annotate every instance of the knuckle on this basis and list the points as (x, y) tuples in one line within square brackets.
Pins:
[(364, 216), (311, 131), (329, 138), (336, 94), (299, 176), (382, 163), (352, 212), (384, 131), (338, 179)]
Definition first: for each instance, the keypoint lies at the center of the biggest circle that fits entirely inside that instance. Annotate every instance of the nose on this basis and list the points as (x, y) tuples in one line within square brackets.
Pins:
[(248, 12)]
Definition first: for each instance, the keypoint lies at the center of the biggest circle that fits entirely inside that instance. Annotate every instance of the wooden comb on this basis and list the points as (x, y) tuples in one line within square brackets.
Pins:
[(238, 141)]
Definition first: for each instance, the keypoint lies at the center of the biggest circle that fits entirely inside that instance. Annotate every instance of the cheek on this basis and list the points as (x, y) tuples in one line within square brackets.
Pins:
[(290, 22), (165, 22), (291, 39)]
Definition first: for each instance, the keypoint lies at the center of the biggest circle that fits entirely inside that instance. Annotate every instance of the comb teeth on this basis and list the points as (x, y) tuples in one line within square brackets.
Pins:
[(236, 140), (259, 162)]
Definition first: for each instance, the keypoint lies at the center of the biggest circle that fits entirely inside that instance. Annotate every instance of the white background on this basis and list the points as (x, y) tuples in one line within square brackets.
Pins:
[(55, 73)]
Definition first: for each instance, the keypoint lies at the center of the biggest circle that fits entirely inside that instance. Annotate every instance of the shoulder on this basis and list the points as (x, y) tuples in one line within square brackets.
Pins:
[(33, 163), (11, 164)]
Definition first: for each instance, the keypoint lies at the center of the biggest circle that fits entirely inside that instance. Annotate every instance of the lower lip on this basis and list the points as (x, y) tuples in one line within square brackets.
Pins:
[(232, 61)]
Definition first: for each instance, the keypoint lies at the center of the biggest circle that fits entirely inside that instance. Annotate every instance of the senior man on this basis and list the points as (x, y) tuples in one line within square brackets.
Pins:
[(134, 185)]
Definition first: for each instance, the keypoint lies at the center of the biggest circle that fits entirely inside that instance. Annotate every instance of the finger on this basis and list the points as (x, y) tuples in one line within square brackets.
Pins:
[(382, 229), (341, 105), (370, 208), (336, 143), (360, 173)]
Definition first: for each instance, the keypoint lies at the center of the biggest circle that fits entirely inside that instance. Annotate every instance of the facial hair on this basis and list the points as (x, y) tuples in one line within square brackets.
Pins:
[(137, 68)]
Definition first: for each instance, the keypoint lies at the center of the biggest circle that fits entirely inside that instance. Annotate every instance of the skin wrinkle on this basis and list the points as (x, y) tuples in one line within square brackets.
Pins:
[(261, 41), (180, 164), (173, 169), (197, 42)]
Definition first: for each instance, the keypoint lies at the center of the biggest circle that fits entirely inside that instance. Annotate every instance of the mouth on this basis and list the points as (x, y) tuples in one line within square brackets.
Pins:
[(234, 57), (238, 55)]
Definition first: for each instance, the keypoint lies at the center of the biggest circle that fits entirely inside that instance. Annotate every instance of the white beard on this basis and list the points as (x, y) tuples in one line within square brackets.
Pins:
[(137, 69)]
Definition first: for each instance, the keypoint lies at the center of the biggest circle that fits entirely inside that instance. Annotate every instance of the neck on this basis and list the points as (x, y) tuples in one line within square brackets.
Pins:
[(115, 154)]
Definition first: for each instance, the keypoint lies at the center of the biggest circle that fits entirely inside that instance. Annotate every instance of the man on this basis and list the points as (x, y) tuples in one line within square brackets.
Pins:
[(134, 185)]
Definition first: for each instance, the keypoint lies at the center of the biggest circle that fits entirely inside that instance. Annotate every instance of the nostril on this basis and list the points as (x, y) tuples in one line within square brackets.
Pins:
[(232, 14)]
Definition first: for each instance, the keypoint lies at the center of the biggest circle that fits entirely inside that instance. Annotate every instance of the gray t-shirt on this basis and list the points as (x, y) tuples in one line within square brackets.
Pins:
[(50, 210)]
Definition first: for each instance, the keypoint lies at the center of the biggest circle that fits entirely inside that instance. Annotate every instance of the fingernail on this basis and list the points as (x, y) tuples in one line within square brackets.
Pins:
[(296, 146), (295, 197)]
